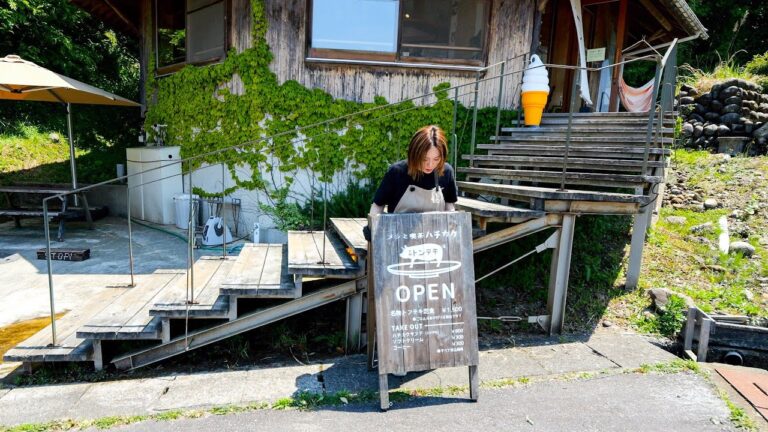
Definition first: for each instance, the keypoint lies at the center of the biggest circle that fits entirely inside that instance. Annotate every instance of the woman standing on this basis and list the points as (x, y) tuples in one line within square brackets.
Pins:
[(424, 182)]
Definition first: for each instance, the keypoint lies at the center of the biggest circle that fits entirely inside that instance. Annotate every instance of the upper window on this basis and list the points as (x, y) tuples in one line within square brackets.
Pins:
[(449, 31), (189, 31)]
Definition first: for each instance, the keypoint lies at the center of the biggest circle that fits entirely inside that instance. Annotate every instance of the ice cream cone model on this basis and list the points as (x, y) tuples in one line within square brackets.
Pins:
[(535, 91)]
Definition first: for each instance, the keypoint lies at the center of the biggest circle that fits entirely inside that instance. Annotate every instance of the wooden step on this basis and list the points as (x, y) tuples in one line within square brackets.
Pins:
[(127, 317), (305, 255), (525, 193), (555, 177), (604, 115), (210, 272), (597, 139), (584, 130), (350, 231), (69, 347), (492, 210), (260, 271), (599, 152), (632, 166)]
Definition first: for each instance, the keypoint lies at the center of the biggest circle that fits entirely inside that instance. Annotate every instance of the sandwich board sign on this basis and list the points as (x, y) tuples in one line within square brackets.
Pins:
[(424, 294)]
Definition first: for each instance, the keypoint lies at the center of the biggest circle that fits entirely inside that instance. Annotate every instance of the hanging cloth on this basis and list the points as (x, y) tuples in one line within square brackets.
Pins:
[(636, 99), (577, 21)]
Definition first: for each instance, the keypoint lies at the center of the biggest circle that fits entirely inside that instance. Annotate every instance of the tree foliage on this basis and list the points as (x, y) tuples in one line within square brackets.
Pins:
[(736, 28), (56, 35)]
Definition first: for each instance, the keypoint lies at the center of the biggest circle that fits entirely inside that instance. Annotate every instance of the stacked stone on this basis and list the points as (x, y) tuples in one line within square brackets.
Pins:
[(731, 108)]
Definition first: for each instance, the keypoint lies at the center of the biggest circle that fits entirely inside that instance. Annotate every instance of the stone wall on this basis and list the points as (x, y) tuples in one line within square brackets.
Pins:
[(733, 107)]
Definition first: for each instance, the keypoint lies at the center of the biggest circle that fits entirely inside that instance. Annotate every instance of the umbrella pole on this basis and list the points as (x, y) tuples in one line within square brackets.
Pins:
[(72, 166)]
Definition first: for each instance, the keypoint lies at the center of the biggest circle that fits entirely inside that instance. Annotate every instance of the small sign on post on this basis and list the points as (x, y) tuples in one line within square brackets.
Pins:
[(424, 293)]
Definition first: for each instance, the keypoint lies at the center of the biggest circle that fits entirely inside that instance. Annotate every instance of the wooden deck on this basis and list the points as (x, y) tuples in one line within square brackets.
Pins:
[(69, 346)]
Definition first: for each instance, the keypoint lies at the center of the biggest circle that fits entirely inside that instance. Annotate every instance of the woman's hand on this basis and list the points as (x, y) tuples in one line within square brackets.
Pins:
[(375, 209), (450, 207)]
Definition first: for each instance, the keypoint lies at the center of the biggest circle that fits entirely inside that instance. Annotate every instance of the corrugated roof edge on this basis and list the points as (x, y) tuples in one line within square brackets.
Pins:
[(688, 18)]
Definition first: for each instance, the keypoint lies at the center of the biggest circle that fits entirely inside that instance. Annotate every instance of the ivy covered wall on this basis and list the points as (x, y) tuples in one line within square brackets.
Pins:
[(202, 114)]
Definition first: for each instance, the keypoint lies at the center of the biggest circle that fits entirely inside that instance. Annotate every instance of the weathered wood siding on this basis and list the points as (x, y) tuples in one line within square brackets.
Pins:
[(510, 36)]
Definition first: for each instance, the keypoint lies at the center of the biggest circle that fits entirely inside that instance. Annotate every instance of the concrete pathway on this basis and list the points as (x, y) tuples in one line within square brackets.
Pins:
[(577, 403)]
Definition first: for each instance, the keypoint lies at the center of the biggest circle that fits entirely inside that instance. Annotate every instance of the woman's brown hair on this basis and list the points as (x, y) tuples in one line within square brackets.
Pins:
[(423, 140)]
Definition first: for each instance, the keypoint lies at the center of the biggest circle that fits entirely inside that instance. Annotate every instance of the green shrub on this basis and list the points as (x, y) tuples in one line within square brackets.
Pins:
[(758, 65)]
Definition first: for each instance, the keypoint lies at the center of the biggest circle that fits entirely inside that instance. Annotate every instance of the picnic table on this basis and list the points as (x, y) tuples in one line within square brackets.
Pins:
[(15, 209)]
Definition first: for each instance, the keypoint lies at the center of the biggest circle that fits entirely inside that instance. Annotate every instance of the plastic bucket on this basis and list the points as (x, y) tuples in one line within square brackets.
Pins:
[(182, 203)]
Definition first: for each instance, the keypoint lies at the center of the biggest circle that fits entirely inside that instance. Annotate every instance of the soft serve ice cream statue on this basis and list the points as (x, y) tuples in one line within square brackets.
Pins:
[(535, 91)]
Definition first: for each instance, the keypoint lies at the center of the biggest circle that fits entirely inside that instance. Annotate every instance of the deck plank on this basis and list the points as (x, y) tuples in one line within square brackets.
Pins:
[(69, 347), (493, 210), (210, 272), (305, 251), (122, 319), (262, 272), (517, 191), (350, 230)]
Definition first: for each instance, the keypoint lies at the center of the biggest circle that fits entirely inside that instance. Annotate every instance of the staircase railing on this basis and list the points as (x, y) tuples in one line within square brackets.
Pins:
[(665, 77)]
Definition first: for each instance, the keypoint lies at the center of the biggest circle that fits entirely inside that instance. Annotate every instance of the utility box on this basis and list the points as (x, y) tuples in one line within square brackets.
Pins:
[(154, 178)]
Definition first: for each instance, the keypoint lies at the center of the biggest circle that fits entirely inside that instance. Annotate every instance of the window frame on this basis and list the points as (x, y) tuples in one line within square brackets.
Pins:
[(340, 56), (169, 69)]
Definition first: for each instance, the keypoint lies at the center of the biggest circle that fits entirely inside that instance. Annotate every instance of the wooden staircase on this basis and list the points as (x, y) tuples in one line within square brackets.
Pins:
[(517, 181), (266, 272)]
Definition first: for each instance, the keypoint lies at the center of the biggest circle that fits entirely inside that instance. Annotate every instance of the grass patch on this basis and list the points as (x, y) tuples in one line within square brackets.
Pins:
[(726, 69), (688, 262), (738, 416), (673, 367)]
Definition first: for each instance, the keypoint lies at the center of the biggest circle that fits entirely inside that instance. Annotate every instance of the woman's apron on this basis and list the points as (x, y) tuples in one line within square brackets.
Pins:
[(419, 200)]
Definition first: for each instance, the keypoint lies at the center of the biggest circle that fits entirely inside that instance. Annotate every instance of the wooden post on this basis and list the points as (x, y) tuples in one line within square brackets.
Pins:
[(558, 275), (639, 228), (232, 311), (384, 391), (474, 383), (165, 328), (353, 322), (621, 31), (370, 318), (98, 355)]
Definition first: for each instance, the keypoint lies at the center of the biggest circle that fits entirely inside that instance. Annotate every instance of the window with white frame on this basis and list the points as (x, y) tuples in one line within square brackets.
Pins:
[(189, 31), (446, 31)]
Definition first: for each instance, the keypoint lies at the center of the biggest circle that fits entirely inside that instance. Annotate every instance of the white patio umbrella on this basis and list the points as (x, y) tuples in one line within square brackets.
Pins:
[(25, 81)]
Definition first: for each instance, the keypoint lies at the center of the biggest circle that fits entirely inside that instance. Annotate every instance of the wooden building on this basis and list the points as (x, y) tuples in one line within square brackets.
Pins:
[(405, 48)]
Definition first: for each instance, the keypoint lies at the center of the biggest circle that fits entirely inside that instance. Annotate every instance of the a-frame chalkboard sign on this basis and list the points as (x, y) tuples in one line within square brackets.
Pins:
[(424, 294)]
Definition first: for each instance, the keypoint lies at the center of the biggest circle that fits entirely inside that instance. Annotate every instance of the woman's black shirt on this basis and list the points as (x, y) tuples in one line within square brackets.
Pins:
[(397, 180)]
